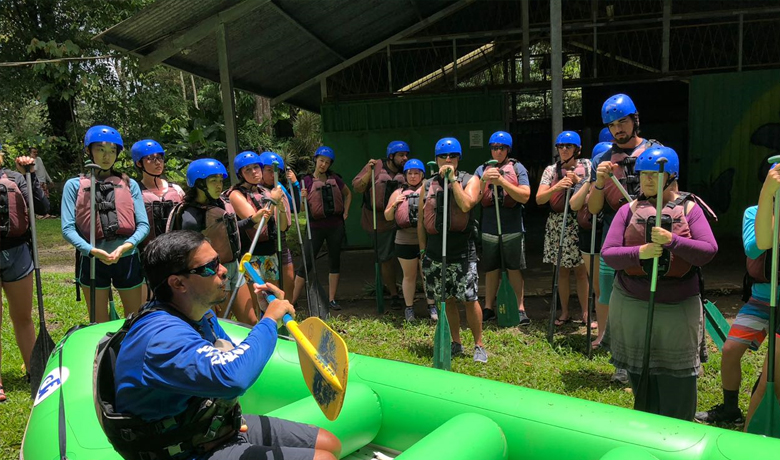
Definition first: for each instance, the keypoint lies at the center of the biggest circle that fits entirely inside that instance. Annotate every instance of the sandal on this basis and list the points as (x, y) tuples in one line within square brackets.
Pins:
[(560, 322), (2, 394)]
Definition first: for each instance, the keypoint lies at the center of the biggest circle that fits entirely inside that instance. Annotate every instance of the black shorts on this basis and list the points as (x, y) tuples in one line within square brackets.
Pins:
[(15, 263), (125, 274), (269, 438), (585, 239), (407, 251), (513, 251)]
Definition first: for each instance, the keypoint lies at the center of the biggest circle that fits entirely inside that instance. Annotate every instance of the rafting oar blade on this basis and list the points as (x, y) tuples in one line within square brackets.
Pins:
[(112, 313), (442, 353), (717, 326), (334, 352), (507, 314)]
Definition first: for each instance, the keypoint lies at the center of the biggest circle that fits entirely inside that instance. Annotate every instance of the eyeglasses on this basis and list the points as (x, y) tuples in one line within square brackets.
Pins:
[(496, 148), (206, 270), (565, 146), (154, 158), (451, 156)]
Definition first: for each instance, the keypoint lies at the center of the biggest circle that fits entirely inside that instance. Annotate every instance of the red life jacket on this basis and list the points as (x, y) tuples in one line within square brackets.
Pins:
[(585, 218), (625, 174), (760, 269), (558, 199), (406, 213), (457, 220), (386, 183), (158, 208), (259, 197), (325, 198), (14, 221), (114, 207), (220, 227), (504, 199)]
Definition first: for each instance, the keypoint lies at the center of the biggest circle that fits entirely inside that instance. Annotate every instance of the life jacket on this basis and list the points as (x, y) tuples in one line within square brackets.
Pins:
[(406, 213), (673, 219), (114, 207), (259, 197), (325, 198), (457, 220), (760, 268), (558, 199), (385, 182), (14, 221), (625, 174), (158, 208), (504, 199), (220, 227), (203, 425), (585, 218)]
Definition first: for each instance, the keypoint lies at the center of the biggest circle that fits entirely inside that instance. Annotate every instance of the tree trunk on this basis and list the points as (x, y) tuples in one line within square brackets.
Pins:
[(263, 113), (61, 121)]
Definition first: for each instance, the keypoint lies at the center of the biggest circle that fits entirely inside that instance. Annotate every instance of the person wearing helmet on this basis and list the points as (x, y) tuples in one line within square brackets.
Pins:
[(121, 225), (629, 249), (328, 199), (606, 136), (579, 204), (567, 172), (285, 265), (403, 207), (159, 196), (16, 263), (388, 176), (461, 279), (204, 210), (511, 180)]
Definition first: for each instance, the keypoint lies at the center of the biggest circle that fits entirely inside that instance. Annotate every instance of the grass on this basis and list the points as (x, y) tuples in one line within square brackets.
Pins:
[(516, 357)]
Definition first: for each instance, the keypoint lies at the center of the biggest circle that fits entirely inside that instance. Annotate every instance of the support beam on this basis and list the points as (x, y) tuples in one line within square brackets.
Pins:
[(556, 67), (665, 36), (306, 31), (594, 15), (630, 62), (373, 49), (175, 45), (389, 71), (454, 64), (740, 44), (526, 42), (228, 101)]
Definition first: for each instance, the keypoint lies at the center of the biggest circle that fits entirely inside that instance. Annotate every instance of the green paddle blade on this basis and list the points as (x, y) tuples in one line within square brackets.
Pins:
[(766, 420), (112, 314), (717, 326), (507, 314), (380, 290), (442, 353)]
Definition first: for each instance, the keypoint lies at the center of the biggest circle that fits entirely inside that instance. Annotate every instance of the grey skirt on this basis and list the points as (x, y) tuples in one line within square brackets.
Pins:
[(674, 344)]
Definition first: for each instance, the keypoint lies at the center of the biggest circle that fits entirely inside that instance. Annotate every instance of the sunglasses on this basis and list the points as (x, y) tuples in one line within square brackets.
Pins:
[(157, 158), (451, 156), (496, 148), (566, 146), (206, 270)]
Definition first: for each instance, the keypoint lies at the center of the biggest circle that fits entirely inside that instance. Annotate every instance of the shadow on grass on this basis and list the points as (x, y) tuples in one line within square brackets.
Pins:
[(587, 378)]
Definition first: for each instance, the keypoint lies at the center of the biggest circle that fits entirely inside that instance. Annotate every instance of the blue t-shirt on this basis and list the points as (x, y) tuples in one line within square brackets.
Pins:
[(760, 291), (511, 218)]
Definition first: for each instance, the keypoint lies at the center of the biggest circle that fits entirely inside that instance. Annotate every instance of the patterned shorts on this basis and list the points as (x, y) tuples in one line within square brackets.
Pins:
[(751, 324), (461, 283)]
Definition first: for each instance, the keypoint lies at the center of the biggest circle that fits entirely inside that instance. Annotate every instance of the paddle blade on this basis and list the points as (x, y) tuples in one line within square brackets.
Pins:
[(766, 420), (717, 326), (379, 289), (319, 301), (442, 353), (507, 314), (43, 347), (333, 351), (112, 314)]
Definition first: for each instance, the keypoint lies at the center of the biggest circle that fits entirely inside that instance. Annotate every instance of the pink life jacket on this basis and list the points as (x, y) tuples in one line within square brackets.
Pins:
[(259, 197), (386, 183), (625, 174), (220, 227), (557, 200), (504, 199), (457, 220), (158, 208), (114, 207), (14, 221), (325, 198), (406, 213)]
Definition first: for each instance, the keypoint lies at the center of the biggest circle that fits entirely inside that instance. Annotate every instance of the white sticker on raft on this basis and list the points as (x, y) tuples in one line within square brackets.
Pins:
[(50, 383)]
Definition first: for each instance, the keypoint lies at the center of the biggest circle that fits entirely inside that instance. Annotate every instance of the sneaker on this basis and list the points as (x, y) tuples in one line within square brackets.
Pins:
[(488, 314), (480, 355), (409, 314), (620, 376), (395, 302), (720, 414), (524, 320), (434, 312), (456, 349), (334, 305)]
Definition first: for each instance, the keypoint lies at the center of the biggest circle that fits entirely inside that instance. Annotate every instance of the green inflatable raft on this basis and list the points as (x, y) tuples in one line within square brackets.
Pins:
[(399, 410)]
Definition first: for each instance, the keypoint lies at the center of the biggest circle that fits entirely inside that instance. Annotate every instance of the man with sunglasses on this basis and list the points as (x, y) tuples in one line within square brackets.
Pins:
[(510, 178), (176, 360)]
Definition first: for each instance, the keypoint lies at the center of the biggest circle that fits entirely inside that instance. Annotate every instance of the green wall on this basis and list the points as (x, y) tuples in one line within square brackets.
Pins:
[(734, 121), (358, 131)]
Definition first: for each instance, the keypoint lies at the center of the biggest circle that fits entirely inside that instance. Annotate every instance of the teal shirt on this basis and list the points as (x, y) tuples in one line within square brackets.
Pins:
[(761, 291), (72, 235)]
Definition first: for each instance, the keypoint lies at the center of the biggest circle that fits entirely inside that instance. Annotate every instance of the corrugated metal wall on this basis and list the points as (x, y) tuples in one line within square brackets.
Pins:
[(734, 121), (359, 131)]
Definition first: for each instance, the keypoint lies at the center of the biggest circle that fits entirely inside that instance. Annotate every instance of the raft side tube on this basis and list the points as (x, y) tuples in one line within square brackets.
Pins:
[(463, 437), (357, 424)]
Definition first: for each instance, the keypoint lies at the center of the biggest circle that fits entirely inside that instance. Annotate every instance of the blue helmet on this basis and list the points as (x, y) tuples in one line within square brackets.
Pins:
[(605, 135), (414, 164), (647, 161), (568, 137), (326, 152), (448, 145), (617, 107), (102, 133), (501, 137), (268, 158), (145, 148), (600, 148), (397, 146), (203, 168), (246, 158)]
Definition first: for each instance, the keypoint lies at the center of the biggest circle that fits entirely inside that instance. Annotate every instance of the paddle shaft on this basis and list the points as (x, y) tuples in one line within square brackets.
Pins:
[(770, 366), (444, 227), (240, 281), (379, 285), (300, 242), (278, 227), (92, 231), (591, 277), (554, 304), (620, 188)]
